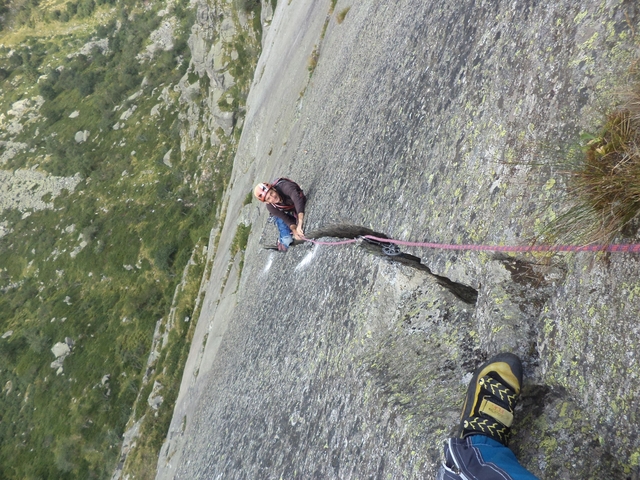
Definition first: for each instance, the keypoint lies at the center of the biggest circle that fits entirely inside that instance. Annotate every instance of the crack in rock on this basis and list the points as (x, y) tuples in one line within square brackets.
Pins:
[(464, 292)]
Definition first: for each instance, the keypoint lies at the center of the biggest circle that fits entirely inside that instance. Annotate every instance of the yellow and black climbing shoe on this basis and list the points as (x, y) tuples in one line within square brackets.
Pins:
[(491, 398)]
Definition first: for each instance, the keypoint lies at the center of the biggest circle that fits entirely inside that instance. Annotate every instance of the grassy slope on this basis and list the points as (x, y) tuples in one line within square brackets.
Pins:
[(131, 208)]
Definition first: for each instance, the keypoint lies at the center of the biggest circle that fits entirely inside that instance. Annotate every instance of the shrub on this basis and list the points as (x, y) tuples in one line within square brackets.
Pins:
[(67, 79), (87, 83), (30, 72), (164, 256), (71, 9), (52, 114), (85, 8), (102, 31), (247, 5), (15, 60), (54, 15), (47, 91)]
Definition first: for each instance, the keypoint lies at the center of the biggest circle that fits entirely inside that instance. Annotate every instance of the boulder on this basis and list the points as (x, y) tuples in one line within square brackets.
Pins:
[(167, 159), (61, 349), (154, 399), (82, 136)]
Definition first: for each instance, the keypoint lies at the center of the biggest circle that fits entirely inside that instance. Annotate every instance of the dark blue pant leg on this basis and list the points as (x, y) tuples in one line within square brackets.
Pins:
[(481, 458), (284, 232)]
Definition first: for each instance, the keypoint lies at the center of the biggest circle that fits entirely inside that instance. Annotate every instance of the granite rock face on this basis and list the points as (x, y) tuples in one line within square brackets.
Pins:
[(424, 120), (213, 41)]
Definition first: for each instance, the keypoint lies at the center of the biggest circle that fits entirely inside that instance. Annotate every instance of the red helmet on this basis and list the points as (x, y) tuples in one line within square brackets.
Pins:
[(261, 191)]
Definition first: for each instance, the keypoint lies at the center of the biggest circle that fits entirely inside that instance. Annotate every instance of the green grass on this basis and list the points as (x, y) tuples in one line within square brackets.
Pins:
[(142, 222), (240, 239), (239, 245), (143, 459), (603, 178)]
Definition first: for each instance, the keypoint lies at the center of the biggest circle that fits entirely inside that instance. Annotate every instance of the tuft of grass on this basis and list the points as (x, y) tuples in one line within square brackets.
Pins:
[(333, 6), (324, 27), (604, 179), (342, 14), (248, 199), (313, 60), (239, 243)]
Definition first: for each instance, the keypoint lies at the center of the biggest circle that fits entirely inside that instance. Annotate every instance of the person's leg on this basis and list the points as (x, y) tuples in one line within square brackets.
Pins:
[(480, 451), (284, 233), (480, 457)]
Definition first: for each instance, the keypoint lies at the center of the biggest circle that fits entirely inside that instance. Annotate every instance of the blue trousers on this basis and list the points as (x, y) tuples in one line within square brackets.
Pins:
[(284, 232), (479, 457)]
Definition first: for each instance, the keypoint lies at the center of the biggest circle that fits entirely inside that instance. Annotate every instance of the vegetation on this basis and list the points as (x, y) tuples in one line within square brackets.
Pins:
[(342, 14), (143, 459), (240, 239), (315, 55), (604, 179), (103, 266), (313, 60), (248, 6), (31, 12)]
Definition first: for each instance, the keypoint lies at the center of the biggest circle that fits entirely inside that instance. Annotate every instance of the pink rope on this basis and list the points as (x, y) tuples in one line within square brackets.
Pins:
[(620, 247)]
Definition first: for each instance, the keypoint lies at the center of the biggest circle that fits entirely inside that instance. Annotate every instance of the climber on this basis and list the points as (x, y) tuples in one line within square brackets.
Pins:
[(285, 201)]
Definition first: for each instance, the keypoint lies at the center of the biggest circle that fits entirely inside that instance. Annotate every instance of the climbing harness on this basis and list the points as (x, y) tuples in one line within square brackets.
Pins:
[(619, 247)]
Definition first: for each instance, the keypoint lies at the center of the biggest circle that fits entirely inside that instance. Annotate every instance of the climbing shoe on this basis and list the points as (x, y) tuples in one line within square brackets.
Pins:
[(282, 247), (491, 398)]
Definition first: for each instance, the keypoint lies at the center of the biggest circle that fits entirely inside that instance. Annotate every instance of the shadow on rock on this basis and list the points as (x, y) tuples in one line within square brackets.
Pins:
[(391, 251)]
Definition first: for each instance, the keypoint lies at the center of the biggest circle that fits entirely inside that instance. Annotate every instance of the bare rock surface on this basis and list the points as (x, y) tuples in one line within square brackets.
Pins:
[(424, 120), (161, 39), (28, 189)]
